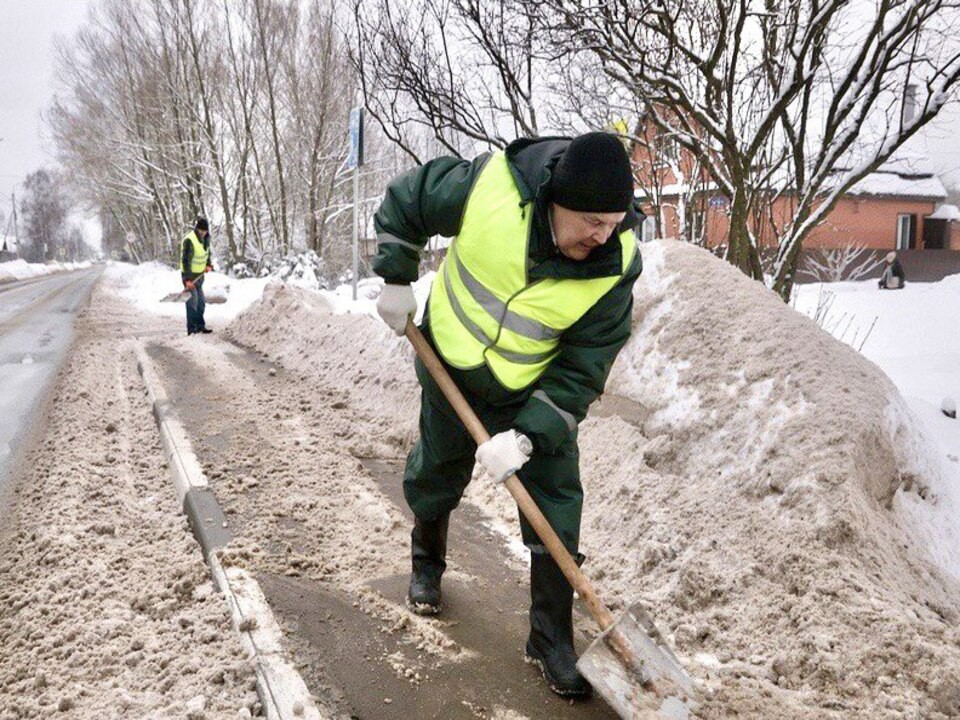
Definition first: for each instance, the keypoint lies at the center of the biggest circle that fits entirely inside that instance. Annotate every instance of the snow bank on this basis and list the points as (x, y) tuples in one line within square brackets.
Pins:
[(22, 270), (301, 330), (754, 508), (148, 284), (748, 479)]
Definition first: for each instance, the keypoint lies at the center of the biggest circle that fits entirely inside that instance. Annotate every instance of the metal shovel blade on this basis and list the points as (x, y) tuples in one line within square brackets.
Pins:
[(653, 686)]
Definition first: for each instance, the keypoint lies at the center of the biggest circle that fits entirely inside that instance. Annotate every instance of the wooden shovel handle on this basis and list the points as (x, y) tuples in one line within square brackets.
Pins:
[(526, 504)]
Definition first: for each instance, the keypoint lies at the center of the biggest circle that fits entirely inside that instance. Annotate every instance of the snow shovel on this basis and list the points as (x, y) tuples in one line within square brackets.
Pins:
[(630, 663), (176, 297)]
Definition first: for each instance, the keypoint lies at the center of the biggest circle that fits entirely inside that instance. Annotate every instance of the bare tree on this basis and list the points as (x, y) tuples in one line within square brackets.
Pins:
[(468, 71), (172, 108), (44, 209), (798, 98), (320, 100)]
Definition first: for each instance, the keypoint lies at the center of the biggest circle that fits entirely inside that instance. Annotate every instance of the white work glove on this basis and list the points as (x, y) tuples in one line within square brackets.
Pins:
[(395, 305), (503, 454)]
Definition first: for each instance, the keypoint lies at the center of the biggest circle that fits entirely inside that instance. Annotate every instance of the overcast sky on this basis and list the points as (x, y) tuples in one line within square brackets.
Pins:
[(27, 31)]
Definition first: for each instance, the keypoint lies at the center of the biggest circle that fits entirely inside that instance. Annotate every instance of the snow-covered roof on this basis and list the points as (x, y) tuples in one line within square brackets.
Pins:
[(907, 173), (891, 183), (945, 211), (675, 189)]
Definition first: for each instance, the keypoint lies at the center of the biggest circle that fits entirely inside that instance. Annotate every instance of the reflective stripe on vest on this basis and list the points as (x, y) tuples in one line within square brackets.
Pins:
[(483, 310), (198, 263)]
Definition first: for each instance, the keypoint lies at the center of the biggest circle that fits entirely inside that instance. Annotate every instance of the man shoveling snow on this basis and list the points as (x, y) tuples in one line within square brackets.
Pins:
[(195, 262), (528, 312)]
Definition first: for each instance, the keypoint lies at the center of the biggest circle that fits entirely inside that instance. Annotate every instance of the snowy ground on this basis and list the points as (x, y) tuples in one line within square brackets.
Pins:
[(773, 500), (762, 498), (106, 608)]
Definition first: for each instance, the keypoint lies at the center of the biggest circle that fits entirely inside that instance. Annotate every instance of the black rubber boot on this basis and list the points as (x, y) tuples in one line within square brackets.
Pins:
[(429, 551), (550, 645)]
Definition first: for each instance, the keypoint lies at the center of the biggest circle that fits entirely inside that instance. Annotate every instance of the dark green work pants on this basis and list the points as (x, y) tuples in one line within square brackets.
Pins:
[(440, 464)]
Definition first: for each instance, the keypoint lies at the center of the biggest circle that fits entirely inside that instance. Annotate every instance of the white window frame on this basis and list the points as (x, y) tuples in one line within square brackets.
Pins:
[(648, 229), (903, 233)]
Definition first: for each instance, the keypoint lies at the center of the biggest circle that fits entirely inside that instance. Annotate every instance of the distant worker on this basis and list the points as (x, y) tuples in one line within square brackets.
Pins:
[(893, 277), (195, 260), (528, 311)]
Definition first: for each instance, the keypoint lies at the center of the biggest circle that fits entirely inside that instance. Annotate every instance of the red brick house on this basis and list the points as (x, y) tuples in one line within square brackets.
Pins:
[(902, 205)]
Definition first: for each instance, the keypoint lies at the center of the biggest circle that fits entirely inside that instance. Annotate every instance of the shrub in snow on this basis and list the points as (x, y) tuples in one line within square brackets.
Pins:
[(304, 269), (853, 261), (243, 270)]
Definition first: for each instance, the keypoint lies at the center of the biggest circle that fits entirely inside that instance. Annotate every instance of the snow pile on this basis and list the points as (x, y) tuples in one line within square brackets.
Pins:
[(368, 291), (147, 285), (754, 510), (300, 330), (754, 499)]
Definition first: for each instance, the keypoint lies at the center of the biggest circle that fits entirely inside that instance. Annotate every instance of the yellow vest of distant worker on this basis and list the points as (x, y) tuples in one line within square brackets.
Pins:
[(483, 309), (198, 263)]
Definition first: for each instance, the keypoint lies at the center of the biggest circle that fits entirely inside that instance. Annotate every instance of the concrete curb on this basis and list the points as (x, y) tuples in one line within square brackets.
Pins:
[(281, 689)]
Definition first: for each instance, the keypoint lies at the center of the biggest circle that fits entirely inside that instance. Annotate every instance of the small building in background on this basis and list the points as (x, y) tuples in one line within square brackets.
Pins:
[(903, 205), (900, 206), (8, 249)]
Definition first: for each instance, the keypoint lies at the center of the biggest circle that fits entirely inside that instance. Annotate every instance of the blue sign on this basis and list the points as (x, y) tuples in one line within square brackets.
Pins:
[(717, 201), (355, 158)]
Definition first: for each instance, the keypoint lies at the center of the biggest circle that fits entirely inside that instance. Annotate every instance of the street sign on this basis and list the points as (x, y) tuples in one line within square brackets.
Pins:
[(355, 158)]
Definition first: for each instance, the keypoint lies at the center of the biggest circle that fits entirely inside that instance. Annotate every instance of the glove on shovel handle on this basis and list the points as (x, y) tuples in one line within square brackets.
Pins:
[(526, 504)]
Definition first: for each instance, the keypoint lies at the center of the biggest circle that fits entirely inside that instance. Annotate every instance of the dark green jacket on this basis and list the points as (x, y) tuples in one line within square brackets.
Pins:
[(431, 199)]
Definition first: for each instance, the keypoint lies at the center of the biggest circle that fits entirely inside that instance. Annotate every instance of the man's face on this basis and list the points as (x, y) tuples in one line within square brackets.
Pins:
[(578, 233), (201, 234)]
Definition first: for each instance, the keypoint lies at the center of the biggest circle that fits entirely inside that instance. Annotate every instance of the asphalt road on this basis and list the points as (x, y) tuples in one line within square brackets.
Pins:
[(36, 331)]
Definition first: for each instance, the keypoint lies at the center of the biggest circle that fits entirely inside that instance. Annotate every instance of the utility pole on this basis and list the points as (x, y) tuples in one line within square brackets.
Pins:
[(355, 161), (16, 230)]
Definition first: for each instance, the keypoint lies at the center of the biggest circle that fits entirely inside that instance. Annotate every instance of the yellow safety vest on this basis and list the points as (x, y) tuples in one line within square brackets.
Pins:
[(483, 309), (201, 256)]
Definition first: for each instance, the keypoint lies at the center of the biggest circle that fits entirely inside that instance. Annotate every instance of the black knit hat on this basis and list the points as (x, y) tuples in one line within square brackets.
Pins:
[(593, 175), (202, 224)]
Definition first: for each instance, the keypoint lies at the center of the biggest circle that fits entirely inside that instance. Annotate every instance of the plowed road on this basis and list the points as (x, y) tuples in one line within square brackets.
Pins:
[(36, 329)]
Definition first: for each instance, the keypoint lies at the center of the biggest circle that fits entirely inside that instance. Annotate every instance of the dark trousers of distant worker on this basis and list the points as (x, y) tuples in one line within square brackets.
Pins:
[(195, 307)]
